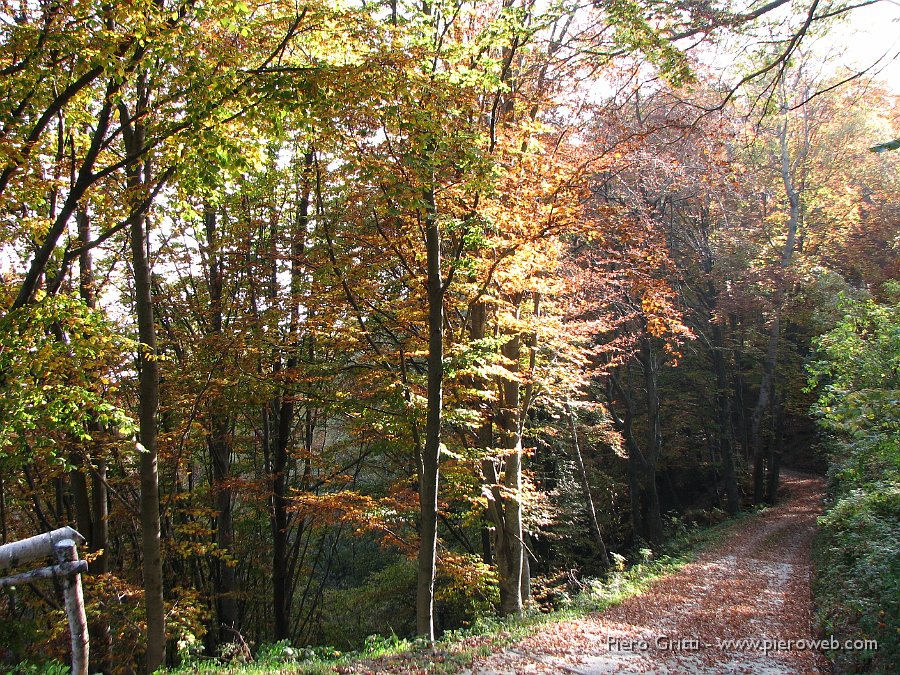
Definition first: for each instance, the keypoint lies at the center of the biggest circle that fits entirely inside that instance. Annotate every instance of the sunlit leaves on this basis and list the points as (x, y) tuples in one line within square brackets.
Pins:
[(60, 365), (858, 376)]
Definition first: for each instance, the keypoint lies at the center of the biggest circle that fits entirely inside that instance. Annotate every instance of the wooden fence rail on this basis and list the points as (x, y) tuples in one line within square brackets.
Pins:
[(62, 544)]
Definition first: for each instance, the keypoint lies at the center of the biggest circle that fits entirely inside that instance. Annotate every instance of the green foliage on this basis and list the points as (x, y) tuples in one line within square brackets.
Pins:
[(857, 580), (61, 364), (636, 33), (465, 590), (384, 604), (18, 633), (857, 553), (858, 374), (276, 653), (49, 668), (456, 648)]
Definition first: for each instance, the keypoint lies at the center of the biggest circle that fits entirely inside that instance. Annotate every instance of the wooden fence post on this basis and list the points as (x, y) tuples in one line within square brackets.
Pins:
[(67, 553), (62, 544)]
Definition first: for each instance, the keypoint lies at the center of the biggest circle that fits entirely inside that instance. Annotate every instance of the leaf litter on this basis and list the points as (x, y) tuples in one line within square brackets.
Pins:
[(753, 586)]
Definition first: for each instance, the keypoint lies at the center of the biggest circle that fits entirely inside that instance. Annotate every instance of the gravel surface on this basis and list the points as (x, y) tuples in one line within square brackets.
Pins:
[(753, 587)]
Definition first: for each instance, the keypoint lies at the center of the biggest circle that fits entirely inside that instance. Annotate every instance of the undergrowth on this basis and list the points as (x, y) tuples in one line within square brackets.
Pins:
[(456, 649), (856, 555)]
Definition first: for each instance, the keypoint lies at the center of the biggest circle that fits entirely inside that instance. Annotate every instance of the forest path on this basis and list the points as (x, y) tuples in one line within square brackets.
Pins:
[(754, 586)]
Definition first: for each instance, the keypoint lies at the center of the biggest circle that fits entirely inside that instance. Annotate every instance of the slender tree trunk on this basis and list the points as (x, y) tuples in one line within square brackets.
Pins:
[(223, 576), (428, 466), (505, 507), (97, 511), (650, 495), (280, 520), (4, 534), (633, 472), (78, 482), (740, 404), (484, 435), (774, 453), (220, 450), (99, 539), (148, 370), (586, 490), (525, 586), (284, 409), (635, 462), (732, 494), (763, 403), (487, 546), (81, 499), (100, 532), (759, 411)]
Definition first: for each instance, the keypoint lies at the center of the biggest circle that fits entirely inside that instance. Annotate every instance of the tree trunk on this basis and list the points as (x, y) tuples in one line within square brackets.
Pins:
[(774, 454), (428, 464), (484, 434), (650, 496), (732, 494), (81, 499), (97, 512), (284, 414), (586, 490), (3, 530), (148, 373), (633, 469), (283, 418), (510, 549), (653, 528), (99, 531), (220, 450), (759, 411), (766, 384), (635, 461)]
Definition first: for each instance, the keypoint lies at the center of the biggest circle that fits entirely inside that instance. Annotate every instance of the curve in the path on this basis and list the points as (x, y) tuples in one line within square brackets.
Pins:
[(744, 606)]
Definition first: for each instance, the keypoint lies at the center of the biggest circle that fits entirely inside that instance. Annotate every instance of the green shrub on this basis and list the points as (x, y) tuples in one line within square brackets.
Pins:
[(857, 581), (857, 549), (465, 590), (383, 605)]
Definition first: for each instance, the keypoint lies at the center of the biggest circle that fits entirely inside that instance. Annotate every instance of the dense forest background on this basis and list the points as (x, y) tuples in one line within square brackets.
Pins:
[(330, 320)]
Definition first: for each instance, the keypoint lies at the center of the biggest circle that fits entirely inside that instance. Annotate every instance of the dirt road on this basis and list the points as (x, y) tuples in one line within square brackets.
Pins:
[(724, 613)]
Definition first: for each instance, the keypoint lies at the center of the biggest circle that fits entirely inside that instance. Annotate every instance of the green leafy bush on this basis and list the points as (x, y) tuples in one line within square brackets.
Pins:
[(858, 576), (383, 605), (857, 551)]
